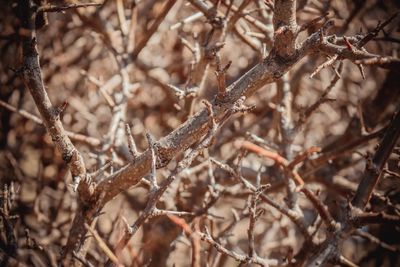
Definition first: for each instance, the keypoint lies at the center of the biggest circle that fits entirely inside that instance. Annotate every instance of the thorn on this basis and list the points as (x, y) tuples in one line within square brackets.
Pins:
[(60, 110), (348, 44)]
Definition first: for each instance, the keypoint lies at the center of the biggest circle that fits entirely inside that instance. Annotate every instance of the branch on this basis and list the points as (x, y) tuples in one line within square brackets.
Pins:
[(285, 27), (321, 209), (32, 78), (372, 34), (359, 56), (103, 246), (362, 219), (384, 62), (153, 28), (374, 167)]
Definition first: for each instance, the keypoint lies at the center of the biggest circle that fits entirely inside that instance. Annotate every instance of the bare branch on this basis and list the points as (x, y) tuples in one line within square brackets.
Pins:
[(152, 29), (103, 246)]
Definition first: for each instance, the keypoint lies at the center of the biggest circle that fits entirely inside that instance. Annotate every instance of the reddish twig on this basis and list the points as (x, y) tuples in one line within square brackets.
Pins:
[(271, 155), (303, 156)]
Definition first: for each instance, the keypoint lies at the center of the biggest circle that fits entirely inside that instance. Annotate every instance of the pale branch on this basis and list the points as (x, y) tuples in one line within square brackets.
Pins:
[(306, 114), (287, 127), (186, 20), (265, 29), (101, 170), (209, 12), (237, 256), (123, 25), (21, 112), (255, 213), (326, 252), (152, 178), (236, 16), (103, 246), (292, 215), (346, 262), (327, 63), (157, 212)]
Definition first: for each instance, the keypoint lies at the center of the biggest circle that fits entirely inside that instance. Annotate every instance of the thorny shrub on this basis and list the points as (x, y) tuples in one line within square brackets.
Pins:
[(201, 133)]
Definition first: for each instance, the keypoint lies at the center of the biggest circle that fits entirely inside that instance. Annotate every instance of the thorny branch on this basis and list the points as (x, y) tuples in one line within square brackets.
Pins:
[(373, 170)]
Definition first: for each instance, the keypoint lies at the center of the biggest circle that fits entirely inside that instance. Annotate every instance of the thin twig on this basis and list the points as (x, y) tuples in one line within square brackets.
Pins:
[(238, 257), (131, 142), (103, 246)]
